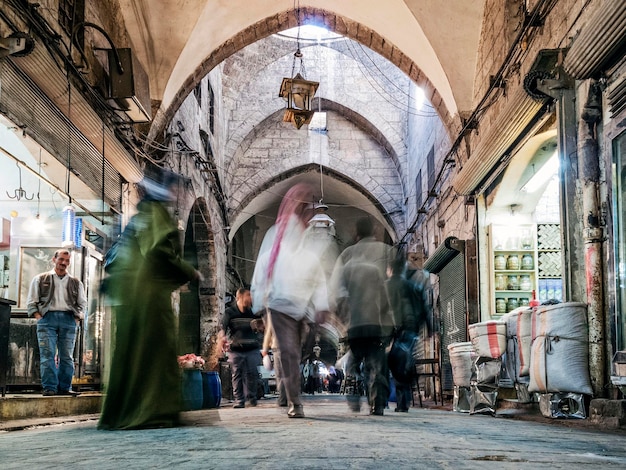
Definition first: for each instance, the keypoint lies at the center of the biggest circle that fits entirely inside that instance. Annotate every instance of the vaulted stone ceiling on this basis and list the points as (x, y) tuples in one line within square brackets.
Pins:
[(178, 39), (430, 42)]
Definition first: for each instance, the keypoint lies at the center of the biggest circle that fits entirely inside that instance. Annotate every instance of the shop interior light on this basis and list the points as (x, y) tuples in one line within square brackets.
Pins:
[(543, 175), (321, 219), (69, 227)]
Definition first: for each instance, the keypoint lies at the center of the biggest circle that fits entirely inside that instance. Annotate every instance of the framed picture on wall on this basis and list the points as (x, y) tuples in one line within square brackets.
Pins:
[(33, 260)]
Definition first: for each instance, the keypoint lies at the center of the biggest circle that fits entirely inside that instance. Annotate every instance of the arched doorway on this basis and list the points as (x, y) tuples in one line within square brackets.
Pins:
[(197, 318)]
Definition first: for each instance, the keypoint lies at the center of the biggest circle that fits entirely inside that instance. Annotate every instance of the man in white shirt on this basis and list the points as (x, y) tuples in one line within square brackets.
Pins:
[(57, 300), (290, 284)]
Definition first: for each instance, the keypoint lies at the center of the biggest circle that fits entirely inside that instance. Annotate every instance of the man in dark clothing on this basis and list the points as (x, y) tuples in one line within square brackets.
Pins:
[(409, 304), (245, 350), (359, 284)]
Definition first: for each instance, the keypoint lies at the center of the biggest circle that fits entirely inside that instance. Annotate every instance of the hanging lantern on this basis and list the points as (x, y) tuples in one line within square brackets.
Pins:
[(298, 91), (321, 218), (299, 95), (317, 349), (68, 237)]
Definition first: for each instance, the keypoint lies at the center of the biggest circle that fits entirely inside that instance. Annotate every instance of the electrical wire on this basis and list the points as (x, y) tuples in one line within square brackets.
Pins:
[(382, 74), (379, 89), (487, 100)]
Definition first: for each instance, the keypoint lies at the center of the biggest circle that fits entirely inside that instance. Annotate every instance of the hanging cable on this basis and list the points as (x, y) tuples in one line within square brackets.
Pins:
[(69, 137), (319, 110)]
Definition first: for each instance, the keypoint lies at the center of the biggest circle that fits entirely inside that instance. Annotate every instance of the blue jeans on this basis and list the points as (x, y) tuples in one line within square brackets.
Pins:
[(56, 331)]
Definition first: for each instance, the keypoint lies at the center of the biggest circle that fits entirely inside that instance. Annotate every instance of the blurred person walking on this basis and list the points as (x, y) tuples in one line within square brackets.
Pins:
[(144, 385), (243, 348), (360, 299), (290, 284), (409, 303), (269, 343), (57, 300)]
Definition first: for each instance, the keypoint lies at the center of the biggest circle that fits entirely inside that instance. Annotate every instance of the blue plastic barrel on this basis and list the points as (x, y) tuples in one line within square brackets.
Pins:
[(192, 389), (212, 389)]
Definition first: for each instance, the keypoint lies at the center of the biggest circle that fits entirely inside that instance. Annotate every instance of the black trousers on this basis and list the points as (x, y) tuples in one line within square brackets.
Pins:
[(371, 352)]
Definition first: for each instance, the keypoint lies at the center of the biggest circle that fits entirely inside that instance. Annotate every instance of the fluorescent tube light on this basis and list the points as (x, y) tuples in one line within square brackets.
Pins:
[(543, 175)]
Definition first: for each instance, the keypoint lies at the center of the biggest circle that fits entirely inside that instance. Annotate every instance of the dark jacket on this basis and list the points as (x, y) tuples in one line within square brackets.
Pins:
[(237, 327), (408, 302)]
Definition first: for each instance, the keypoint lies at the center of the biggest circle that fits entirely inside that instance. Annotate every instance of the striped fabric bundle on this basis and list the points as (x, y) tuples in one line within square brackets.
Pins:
[(488, 338)]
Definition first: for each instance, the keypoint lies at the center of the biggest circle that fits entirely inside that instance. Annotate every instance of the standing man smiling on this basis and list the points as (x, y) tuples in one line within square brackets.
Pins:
[(57, 300)]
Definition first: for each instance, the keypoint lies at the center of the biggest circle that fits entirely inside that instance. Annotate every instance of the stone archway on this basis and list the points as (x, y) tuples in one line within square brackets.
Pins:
[(285, 20), (199, 306)]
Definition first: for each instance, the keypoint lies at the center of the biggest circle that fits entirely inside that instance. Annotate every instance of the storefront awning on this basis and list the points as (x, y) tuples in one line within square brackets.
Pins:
[(444, 253), (600, 42), (518, 113), (48, 79)]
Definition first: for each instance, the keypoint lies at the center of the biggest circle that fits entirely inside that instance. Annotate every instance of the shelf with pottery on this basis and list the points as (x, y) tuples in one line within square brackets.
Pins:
[(513, 267)]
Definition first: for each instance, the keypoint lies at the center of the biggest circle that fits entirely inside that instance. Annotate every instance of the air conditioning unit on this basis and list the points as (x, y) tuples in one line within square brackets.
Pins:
[(130, 87)]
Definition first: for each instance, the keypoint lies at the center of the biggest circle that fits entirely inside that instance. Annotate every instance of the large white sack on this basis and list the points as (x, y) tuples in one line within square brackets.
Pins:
[(488, 338), (559, 352), (513, 360), (461, 358)]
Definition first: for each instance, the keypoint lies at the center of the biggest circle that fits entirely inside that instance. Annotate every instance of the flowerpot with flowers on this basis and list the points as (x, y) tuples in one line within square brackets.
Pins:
[(192, 395)]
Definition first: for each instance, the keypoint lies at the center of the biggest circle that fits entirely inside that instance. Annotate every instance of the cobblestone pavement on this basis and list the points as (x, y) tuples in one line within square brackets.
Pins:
[(329, 437)]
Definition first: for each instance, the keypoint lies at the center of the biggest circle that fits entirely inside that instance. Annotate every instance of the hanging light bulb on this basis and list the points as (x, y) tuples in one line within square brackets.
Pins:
[(68, 238), (78, 232)]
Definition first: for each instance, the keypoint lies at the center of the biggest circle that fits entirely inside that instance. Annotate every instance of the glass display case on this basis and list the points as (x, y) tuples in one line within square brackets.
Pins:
[(513, 267)]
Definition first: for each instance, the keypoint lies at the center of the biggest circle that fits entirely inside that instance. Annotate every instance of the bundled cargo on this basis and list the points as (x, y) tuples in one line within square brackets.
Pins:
[(518, 342), (488, 338), (562, 405), (483, 400), (559, 352), (461, 399), (512, 356), (486, 372), (461, 358), (525, 340)]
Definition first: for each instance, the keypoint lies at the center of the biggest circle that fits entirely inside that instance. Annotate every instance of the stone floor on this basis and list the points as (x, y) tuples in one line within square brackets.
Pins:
[(329, 437)]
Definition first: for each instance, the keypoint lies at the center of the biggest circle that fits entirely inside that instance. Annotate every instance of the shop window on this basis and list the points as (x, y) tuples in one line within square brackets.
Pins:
[(619, 191)]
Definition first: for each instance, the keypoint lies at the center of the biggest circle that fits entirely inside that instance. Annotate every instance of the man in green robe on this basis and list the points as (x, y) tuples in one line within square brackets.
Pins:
[(144, 378)]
